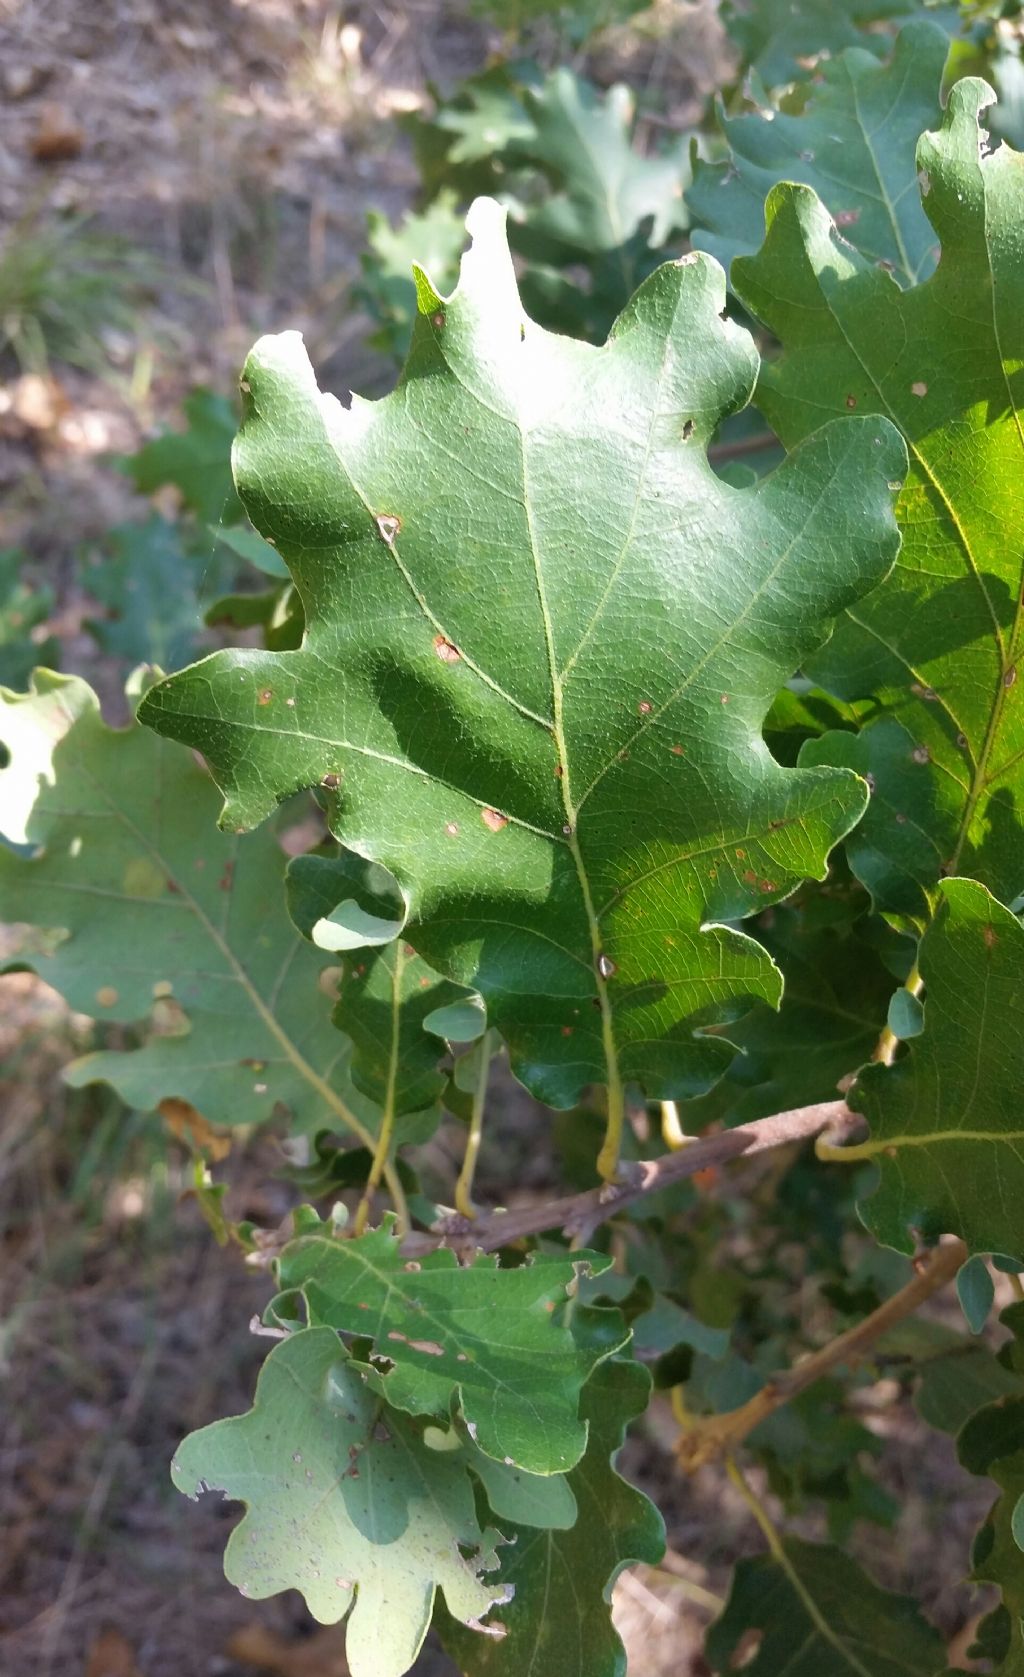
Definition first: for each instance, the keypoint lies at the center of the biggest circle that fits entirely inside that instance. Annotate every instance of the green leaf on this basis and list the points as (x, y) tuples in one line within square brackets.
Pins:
[(386, 995), (166, 919), (992, 1443), (550, 790), (246, 544), (605, 188), (346, 1503), (816, 1602), (976, 1291), (432, 238), (149, 587), (938, 642), (833, 1009), (558, 1623), (604, 206), (491, 1337), (197, 461), (945, 1120), (785, 39), (277, 611), (853, 142), (958, 1382), (22, 610)]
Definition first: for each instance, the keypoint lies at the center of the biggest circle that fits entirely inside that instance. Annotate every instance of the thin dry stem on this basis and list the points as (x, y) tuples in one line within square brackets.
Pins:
[(707, 1438)]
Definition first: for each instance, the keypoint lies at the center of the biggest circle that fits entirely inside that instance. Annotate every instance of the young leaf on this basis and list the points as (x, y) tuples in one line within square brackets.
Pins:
[(434, 239), (551, 790), (346, 1503), (386, 995), (558, 1623), (945, 1120), (815, 1605), (853, 142), (161, 911), (491, 1337), (938, 643)]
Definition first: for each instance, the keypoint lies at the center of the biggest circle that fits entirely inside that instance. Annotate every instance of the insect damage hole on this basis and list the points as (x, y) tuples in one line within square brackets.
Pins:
[(389, 526)]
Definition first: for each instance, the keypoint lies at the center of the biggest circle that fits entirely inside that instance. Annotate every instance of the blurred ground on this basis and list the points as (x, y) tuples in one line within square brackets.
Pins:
[(239, 144)]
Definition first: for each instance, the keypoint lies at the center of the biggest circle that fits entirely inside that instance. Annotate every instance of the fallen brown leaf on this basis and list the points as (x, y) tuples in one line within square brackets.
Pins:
[(319, 1655), (111, 1655), (57, 138)]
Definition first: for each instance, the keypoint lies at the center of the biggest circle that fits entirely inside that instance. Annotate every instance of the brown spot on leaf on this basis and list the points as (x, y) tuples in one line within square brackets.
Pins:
[(446, 650), (919, 388), (106, 996), (921, 754), (265, 695), (1011, 676), (493, 820), (645, 707), (389, 526), (851, 401), (991, 937), (331, 782), (452, 829), (846, 218)]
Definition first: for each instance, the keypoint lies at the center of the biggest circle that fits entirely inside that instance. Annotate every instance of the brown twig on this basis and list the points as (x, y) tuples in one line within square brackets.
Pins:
[(707, 1438), (596, 1205)]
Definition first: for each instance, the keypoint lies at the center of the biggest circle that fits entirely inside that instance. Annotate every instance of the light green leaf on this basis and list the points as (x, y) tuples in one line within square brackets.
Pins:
[(976, 1291), (491, 1337), (247, 545), (817, 1602), (559, 1623), (433, 238), (346, 1503), (169, 923), (939, 642), (853, 142), (551, 791), (945, 1120), (386, 994)]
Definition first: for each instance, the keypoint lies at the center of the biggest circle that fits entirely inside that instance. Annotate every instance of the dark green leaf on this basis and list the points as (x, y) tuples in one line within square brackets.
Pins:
[(818, 1611), (149, 587), (22, 611), (387, 994), (559, 1623), (853, 142), (550, 790), (976, 1292), (945, 1120), (938, 643)]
